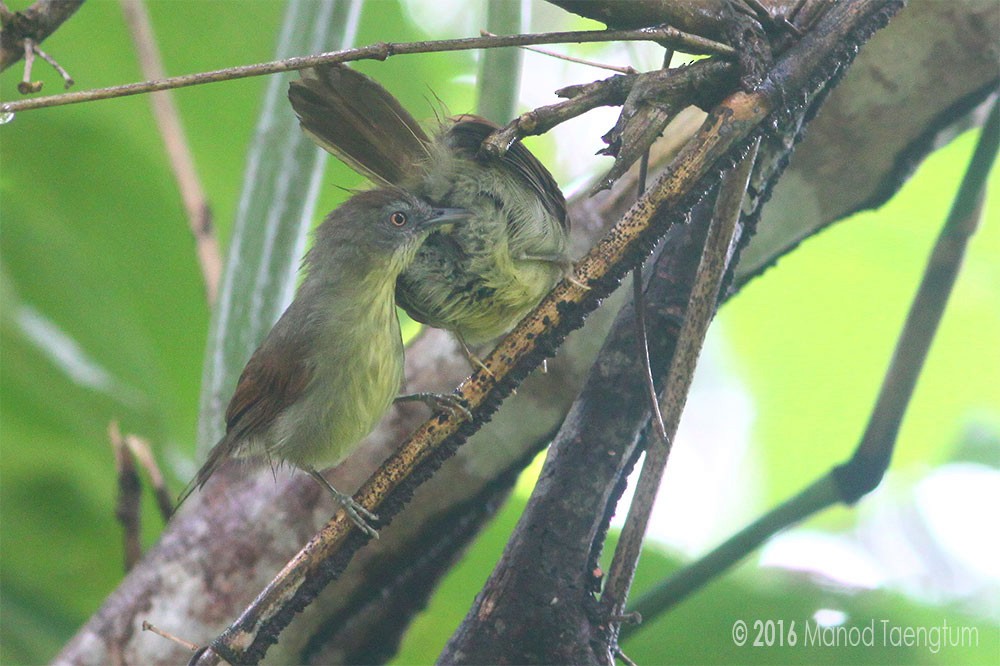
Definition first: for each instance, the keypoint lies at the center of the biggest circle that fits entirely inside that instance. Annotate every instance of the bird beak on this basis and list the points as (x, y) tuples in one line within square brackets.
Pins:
[(442, 216)]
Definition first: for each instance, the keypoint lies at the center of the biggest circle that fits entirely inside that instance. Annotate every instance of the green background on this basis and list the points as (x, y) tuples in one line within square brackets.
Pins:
[(96, 259)]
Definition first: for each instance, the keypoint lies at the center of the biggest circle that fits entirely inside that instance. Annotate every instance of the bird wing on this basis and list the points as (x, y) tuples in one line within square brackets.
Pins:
[(274, 378), (467, 135), (353, 117)]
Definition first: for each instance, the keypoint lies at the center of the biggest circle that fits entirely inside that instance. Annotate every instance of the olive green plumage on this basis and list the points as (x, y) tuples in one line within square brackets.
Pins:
[(479, 278), (333, 363)]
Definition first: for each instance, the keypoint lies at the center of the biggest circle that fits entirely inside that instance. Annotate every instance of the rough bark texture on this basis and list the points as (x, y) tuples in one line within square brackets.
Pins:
[(540, 603), (219, 553)]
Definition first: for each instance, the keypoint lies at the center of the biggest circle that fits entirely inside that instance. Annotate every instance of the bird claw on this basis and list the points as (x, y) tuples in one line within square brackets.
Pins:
[(358, 514), (452, 404)]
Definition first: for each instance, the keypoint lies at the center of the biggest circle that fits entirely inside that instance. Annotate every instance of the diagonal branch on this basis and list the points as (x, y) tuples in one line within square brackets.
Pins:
[(723, 231), (850, 481), (812, 62), (535, 338)]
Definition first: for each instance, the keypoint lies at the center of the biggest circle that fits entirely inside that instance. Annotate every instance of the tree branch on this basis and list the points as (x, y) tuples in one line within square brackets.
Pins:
[(223, 548), (722, 235), (545, 583), (850, 481), (379, 51)]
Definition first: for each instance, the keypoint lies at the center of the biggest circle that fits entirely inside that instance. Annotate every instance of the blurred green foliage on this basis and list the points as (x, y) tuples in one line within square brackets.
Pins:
[(103, 317)]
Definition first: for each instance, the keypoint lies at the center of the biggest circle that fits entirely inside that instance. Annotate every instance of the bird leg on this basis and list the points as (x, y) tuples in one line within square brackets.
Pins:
[(439, 401), (470, 355), (357, 513)]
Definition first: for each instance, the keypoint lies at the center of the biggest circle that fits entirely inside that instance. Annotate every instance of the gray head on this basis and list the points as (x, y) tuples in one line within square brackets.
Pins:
[(385, 226)]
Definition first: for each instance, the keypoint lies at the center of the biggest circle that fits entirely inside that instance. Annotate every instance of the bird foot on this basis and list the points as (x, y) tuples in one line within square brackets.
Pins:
[(452, 404), (358, 514)]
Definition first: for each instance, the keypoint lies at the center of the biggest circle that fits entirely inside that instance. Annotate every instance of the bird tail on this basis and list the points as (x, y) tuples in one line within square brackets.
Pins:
[(218, 455), (356, 119)]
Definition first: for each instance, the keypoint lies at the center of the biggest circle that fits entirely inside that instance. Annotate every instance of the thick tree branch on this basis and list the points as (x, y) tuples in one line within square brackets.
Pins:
[(860, 475), (214, 557), (544, 586)]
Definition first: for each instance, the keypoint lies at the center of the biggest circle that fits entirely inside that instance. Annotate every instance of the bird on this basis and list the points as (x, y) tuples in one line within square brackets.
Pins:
[(333, 363), (477, 279)]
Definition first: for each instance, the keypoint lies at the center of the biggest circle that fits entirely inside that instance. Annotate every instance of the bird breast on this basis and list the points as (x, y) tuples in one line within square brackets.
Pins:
[(358, 370)]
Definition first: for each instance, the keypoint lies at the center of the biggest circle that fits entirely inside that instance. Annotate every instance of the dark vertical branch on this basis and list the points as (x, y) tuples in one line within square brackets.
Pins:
[(698, 314), (539, 604), (864, 471)]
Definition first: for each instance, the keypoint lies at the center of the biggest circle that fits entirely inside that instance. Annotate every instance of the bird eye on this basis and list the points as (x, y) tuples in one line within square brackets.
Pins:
[(398, 219)]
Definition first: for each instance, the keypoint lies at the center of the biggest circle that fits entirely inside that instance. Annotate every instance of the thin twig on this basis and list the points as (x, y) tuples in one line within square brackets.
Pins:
[(60, 70), (568, 58), (642, 339), (149, 626), (612, 91), (27, 86), (144, 454), (379, 51), (698, 315), (178, 150), (847, 483), (639, 301), (127, 511)]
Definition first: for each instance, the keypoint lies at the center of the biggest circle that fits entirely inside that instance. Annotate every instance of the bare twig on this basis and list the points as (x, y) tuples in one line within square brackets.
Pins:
[(144, 454), (178, 150), (613, 91), (639, 301), (149, 626), (36, 22), (27, 86), (642, 339), (580, 61), (127, 450), (60, 70), (849, 482), (127, 510), (379, 51)]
